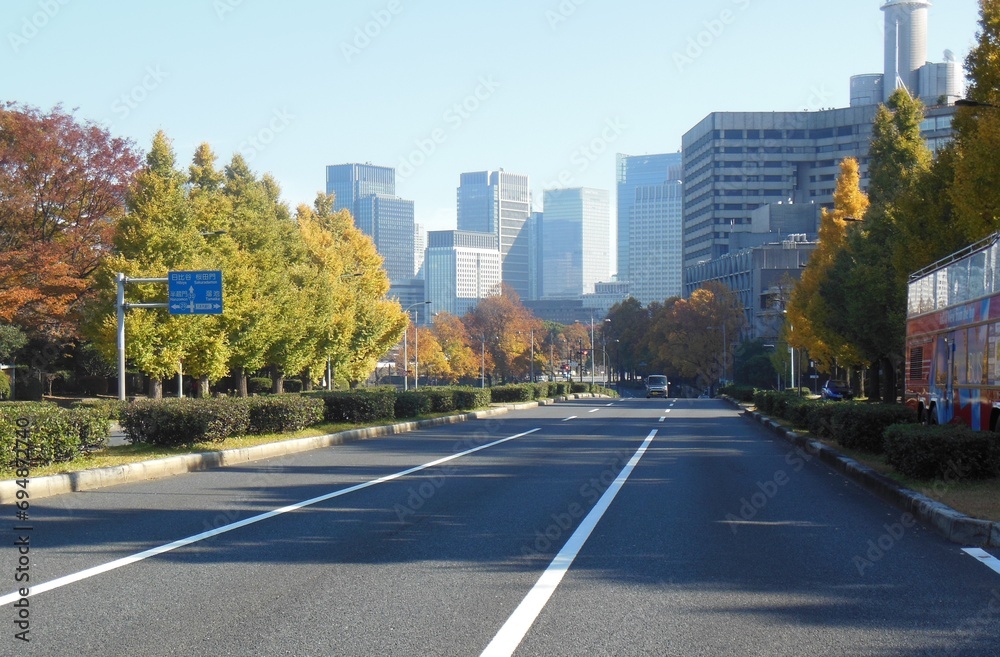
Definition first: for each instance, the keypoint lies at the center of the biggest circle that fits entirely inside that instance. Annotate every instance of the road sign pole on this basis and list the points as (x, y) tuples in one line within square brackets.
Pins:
[(121, 336)]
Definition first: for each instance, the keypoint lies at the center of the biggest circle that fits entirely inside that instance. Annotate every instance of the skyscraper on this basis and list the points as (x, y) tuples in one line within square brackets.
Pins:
[(650, 210), (461, 268), (575, 241), (369, 193), (650, 216), (499, 202)]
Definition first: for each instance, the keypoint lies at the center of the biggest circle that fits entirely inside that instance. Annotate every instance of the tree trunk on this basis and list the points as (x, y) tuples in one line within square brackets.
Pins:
[(203, 391), (307, 380), (277, 381), (875, 383), (155, 388), (241, 382)]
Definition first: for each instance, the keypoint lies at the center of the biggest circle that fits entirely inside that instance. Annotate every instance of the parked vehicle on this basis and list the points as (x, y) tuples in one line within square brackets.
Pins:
[(836, 390)]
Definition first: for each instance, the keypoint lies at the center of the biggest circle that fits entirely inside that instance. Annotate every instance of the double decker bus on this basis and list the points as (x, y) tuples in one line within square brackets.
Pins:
[(953, 338)]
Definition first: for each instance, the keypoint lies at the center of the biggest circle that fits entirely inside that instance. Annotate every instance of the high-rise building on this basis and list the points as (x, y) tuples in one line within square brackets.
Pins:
[(369, 193), (637, 171), (499, 202), (575, 241), (536, 259), (460, 269), (650, 225), (419, 249)]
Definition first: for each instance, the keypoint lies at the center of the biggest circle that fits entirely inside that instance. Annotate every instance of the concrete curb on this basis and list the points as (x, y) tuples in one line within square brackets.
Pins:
[(60, 484), (955, 526)]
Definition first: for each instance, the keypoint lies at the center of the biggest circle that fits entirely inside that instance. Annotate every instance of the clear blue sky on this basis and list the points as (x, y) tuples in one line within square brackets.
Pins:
[(529, 86)]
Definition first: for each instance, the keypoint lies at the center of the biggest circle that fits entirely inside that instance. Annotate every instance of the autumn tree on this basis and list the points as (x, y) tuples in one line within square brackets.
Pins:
[(808, 313), (627, 330), (865, 293), (503, 323), (63, 184), (457, 346)]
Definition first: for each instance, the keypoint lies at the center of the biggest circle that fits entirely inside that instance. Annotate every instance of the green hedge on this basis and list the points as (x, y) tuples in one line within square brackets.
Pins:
[(283, 413), (739, 393), (55, 434), (259, 385), (513, 393), (360, 406), (185, 421), (442, 399), (942, 452), (468, 399), (413, 404), (862, 426)]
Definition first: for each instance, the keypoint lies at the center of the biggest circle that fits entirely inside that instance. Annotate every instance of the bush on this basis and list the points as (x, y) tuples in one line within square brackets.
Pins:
[(442, 399), (93, 385), (514, 393), (173, 422), (861, 426), (739, 393), (292, 385), (110, 408), (4, 385), (579, 387), (259, 385), (942, 452), (467, 399), (54, 434), (283, 413), (360, 406), (413, 404)]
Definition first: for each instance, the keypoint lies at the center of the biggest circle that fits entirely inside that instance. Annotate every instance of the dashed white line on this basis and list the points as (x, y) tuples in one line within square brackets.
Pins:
[(567, 419), (662, 418), (984, 557), (513, 631), (593, 410), (125, 561)]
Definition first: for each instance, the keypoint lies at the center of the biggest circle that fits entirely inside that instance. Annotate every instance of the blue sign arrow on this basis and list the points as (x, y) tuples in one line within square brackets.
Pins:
[(195, 292)]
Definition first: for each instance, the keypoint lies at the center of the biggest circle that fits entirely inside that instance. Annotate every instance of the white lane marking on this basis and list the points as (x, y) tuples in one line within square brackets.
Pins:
[(125, 561), (513, 631), (571, 417), (593, 410), (984, 557), (667, 411), (662, 418), (611, 404)]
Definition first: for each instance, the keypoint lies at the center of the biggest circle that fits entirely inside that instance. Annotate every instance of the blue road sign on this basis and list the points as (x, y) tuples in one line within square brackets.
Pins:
[(195, 292)]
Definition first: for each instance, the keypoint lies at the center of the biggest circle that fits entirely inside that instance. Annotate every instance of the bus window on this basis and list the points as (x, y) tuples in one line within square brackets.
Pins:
[(977, 355), (959, 364), (941, 361), (978, 285), (958, 279)]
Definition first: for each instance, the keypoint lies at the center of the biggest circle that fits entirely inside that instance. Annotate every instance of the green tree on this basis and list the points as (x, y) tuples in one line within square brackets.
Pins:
[(975, 192)]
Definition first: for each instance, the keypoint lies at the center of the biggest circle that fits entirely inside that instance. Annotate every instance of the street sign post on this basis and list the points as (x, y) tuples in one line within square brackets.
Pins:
[(195, 292)]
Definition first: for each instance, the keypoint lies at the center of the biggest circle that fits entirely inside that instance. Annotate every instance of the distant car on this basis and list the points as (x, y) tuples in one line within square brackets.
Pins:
[(656, 386), (836, 390)]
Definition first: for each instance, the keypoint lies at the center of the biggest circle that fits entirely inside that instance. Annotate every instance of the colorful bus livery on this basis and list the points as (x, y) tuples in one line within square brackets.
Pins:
[(953, 338)]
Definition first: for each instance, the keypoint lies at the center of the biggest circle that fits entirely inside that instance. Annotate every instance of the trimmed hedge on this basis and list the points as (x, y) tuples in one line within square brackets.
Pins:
[(468, 399), (442, 399), (413, 403), (739, 393), (942, 452), (861, 426), (54, 434), (360, 406), (513, 393), (283, 413), (173, 422)]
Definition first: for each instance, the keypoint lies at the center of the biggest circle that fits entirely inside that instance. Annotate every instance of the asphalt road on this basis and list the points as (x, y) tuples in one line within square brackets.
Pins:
[(640, 527)]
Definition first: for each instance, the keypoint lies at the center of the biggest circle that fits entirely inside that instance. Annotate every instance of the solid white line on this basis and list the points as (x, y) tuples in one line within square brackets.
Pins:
[(513, 631), (125, 561), (984, 557), (571, 417)]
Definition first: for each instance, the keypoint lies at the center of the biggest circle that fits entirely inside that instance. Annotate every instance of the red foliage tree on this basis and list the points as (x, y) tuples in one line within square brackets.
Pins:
[(62, 187)]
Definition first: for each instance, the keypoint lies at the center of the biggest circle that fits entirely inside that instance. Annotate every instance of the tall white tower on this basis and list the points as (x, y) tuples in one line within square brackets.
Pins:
[(905, 44)]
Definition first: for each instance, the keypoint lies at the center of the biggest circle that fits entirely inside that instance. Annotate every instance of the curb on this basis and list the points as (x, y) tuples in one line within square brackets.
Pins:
[(956, 527), (60, 484)]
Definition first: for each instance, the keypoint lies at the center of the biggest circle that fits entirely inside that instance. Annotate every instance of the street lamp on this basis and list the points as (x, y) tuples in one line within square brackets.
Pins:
[(965, 102), (416, 347)]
